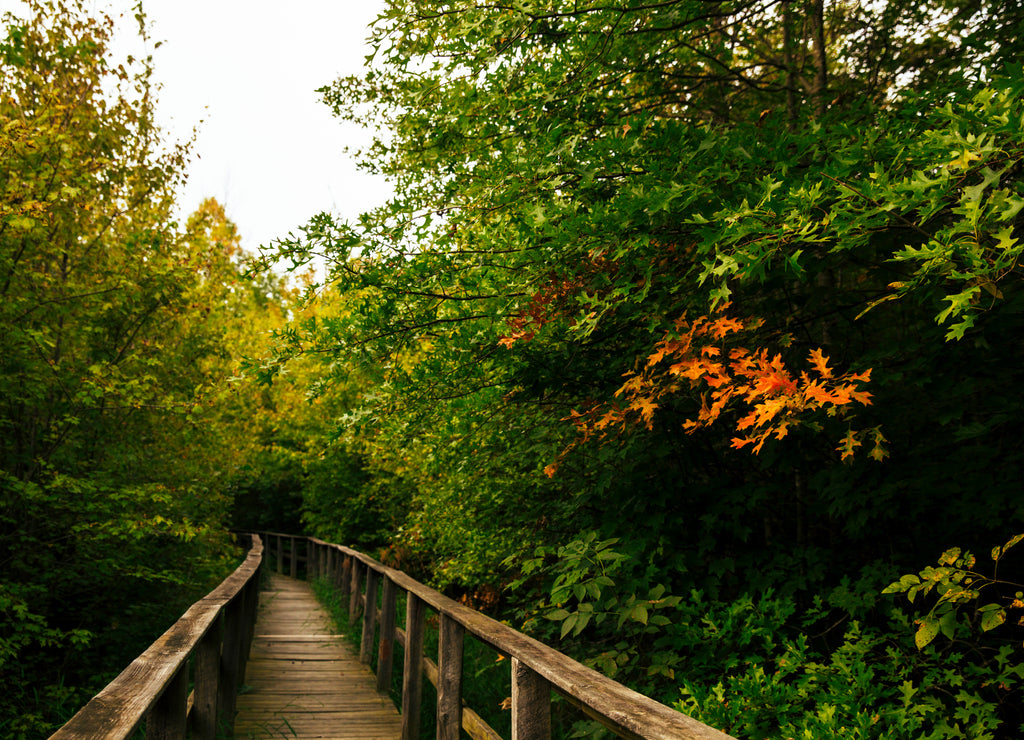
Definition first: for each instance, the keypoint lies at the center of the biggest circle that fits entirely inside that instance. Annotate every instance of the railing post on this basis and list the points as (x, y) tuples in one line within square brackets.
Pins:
[(344, 576), (412, 674), (251, 594), (531, 704), (167, 718), (449, 679), (227, 690), (295, 557), (386, 648), (151, 696), (353, 601), (280, 554), (332, 565), (369, 616), (207, 679)]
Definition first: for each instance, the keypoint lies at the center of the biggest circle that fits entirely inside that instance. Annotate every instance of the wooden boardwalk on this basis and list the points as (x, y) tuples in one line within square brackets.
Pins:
[(305, 682)]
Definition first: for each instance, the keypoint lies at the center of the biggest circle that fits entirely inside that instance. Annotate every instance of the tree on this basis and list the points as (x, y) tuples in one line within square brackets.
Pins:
[(630, 238), (116, 333), (577, 182)]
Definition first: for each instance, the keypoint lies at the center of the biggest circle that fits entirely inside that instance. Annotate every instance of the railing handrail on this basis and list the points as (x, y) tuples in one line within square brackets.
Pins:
[(619, 708), (155, 685)]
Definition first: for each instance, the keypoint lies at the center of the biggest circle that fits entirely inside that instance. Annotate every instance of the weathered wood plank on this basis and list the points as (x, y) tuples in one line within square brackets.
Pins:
[(531, 704), (386, 647), (369, 616), (118, 710), (472, 722), (412, 673), (626, 712), (168, 718), (354, 593), (305, 682), (207, 681), (449, 679)]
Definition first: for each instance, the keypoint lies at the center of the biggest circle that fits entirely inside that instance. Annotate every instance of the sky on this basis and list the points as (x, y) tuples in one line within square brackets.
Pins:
[(267, 148), (245, 73)]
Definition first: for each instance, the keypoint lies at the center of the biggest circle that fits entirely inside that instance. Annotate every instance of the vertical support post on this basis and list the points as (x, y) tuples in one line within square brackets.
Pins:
[(353, 602), (345, 577), (280, 554), (449, 679), (386, 648), (167, 718), (531, 704), (294, 550), (207, 679), (250, 609), (369, 616), (412, 674), (234, 614)]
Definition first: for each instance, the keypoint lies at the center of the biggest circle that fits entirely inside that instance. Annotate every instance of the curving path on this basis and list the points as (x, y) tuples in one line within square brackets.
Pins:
[(303, 681)]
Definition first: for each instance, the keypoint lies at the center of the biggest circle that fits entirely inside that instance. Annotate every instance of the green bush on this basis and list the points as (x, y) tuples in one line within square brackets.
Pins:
[(874, 684)]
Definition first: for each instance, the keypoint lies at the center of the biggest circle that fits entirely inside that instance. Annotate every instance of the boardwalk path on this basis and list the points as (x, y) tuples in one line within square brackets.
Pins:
[(305, 682)]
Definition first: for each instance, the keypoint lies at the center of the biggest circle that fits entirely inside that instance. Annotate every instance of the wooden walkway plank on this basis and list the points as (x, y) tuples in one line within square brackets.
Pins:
[(304, 681)]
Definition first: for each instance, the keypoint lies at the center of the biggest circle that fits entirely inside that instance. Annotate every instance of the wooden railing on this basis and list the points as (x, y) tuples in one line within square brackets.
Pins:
[(215, 634), (537, 669)]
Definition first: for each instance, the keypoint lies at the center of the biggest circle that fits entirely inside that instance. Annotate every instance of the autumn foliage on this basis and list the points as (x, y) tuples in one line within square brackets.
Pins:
[(755, 389), (544, 306)]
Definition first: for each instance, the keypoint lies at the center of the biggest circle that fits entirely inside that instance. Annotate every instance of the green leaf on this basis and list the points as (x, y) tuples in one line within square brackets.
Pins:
[(947, 624), (581, 623), (992, 615), (926, 631), (568, 624)]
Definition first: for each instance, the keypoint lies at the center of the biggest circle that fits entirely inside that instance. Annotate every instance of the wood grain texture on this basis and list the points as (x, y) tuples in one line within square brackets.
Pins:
[(472, 722), (412, 670), (386, 646), (120, 707), (207, 681), (626, 712), (305, 682), (369, 616), (449, 679), (531, 704)]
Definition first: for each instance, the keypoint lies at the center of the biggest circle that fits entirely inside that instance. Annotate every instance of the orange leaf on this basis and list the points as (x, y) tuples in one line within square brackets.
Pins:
[(848, 444), (646, 407), (820, 363)]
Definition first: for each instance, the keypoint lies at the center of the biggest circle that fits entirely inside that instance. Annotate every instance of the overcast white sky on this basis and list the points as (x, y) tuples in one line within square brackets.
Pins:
[(267, 148)]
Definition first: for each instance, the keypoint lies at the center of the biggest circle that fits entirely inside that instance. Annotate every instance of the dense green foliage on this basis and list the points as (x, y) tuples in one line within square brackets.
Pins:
[(690, 328), (119, 439), (619, 232)]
